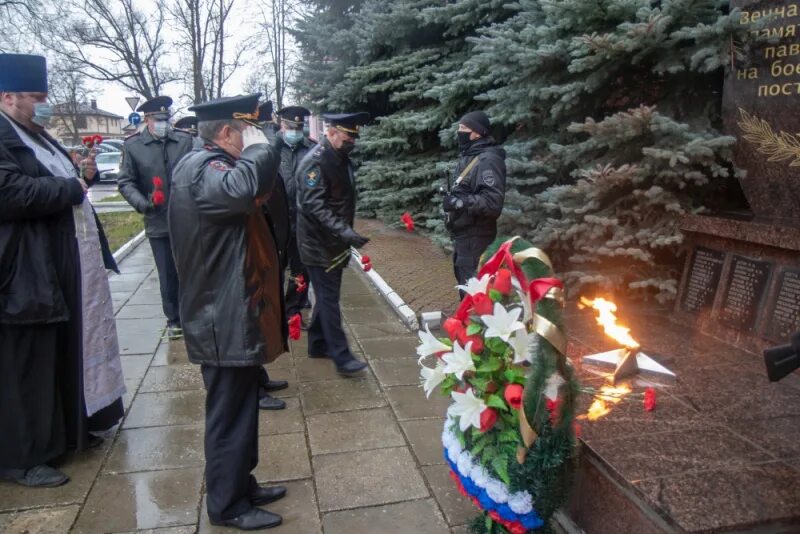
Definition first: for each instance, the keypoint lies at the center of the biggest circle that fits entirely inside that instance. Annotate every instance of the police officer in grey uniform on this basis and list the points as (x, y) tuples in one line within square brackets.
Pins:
[(148, 159), (230, 297), (476, 199), (326, 208)]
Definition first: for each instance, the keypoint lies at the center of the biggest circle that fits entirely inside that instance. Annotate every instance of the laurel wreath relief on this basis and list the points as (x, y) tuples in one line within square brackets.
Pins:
[(781, 146)]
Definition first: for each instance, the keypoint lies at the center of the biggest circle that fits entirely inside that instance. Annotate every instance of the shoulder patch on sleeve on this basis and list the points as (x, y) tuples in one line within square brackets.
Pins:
[(312, 178), (488, 178), (219, 165)]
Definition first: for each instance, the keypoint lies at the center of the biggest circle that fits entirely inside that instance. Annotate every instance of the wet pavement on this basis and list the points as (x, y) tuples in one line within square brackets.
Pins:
[(359, 455)]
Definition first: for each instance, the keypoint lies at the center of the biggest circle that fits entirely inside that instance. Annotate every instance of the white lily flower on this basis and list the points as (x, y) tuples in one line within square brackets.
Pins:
[(475, 285), (467, 408), (430, 344), (432, 377), (502, 323), (459, 361), (554, 382), (523, 343)]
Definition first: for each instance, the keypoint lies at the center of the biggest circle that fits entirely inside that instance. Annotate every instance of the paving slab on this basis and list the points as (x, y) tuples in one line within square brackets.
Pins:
[(397, 372), (154, 449), (141, 311), (171, 352), (135, 366), (419, 517), (146, 295), (365, 478), (282, 457), (298, 510), (391, 348), (353, 431), (166, 408), (374, 316), (425, 436), (137, 501), (370, 300), (172, 378), (341, 395), (409, 402), (457, 510), (139, 336), (39, 521), (389, 328), (285, 421)]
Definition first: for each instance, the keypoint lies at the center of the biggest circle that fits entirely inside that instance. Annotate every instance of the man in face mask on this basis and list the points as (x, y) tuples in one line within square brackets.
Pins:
[(145, 179), (294, 148), (326, 208), (475, 201), (230, 296)]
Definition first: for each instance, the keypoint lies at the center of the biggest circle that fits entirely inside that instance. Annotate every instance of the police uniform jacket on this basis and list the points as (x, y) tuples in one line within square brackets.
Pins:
[(291, 156), (326, 205), (227, 262), (37, 233), (482, 190), (143, 158)]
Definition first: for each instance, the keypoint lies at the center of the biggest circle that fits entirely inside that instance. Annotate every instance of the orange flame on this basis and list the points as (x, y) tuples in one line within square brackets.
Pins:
[(607, 319), (604, 399)]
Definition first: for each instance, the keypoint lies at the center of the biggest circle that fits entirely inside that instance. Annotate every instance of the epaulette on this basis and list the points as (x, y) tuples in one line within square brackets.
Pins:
[(134, 134)]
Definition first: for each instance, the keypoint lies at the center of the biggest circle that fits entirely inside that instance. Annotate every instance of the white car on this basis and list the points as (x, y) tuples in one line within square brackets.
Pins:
[(108, 166)]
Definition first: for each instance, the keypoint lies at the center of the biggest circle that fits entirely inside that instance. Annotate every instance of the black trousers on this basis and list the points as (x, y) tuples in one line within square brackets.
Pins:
[(231, 440), (467, 252), (167, 278), (325, 334), (295, 301)]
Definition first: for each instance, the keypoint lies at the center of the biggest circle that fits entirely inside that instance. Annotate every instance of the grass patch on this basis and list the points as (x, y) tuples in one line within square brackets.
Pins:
[(121, 227), (113, 198)]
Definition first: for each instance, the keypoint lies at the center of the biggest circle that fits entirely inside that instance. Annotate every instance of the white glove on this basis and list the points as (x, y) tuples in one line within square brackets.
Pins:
[(252, 136)]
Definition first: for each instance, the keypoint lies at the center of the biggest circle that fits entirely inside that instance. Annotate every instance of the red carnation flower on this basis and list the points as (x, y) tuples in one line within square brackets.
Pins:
[(649, 399), (158, 183), (87, 141), (453, 326), (477, 343), (502, 281), (368, 267), (300, 282), (97, 139), (408, 221), (158, 197), (462, 313), (513, 395), (294, 326), (365, 259), (488, 419), (482, 304)]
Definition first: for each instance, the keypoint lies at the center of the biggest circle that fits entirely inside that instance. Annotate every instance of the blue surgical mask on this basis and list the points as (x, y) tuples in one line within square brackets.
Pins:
[(42, 113), (293, 136), (160, 128)]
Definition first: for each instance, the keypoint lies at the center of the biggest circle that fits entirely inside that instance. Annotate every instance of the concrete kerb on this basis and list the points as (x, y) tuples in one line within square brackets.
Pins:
[(403, 310), (125, 250)]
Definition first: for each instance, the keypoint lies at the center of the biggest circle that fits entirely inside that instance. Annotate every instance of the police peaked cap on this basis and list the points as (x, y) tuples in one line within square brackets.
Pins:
[(23, 73), (187, 123), (243, 108), (157, 107), (294, 115), (348, 123)]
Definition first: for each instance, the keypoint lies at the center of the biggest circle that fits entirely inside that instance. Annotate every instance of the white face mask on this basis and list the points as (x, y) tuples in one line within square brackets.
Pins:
[(42, 113), (160, 128)]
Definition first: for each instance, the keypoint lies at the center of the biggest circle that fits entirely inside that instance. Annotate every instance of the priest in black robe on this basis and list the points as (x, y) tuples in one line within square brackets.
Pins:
[(60, 376)]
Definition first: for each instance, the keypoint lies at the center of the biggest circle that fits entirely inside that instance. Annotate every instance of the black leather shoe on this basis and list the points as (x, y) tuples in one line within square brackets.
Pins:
[(351, 368), (276, 385), (40, 476), (253, 519), (271, 403), (265, 495), (92, 441)]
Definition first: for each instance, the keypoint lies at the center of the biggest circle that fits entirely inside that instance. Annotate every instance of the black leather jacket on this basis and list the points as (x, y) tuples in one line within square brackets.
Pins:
[(483, 190), (37, 231), (230, 294), (144, 157), (326, 205)]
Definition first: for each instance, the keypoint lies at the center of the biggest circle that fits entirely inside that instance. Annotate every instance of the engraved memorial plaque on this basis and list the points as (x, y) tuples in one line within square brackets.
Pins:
[(704, 275), (784, 318), (744, 295)]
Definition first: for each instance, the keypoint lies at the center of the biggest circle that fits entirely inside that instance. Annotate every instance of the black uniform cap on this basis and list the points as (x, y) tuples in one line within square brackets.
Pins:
[(156, 107), (187, 123), (347, 122), (243, 108), (294, 115)]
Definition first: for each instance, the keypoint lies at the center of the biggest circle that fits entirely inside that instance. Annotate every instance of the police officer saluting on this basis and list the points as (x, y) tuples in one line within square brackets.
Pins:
[(475, 202), (326, 208), (230, 296), (145, 179), (294, 147)]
